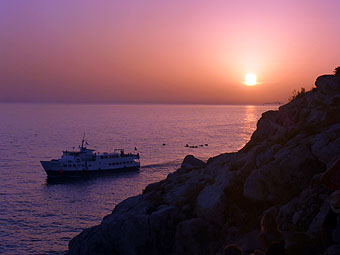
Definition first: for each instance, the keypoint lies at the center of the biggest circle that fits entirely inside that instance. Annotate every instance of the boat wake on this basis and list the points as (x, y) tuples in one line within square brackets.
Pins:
[(175, 163)]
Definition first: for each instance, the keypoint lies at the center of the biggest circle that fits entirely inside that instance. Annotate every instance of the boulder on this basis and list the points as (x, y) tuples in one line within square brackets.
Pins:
[(291, 170), (191, 162), (210, 203), (328, 84)]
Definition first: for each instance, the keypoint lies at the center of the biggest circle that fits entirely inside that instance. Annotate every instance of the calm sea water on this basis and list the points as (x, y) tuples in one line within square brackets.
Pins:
[(40, 218)]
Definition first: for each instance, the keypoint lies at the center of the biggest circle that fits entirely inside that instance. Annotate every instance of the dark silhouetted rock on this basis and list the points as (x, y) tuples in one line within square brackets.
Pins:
[(190, 162), (328, 83)]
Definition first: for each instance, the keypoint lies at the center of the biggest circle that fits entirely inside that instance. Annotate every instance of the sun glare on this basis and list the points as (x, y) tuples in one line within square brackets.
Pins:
[(250, 79)]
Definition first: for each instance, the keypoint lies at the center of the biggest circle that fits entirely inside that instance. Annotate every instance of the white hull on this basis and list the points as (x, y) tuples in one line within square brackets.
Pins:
[(85, 162)]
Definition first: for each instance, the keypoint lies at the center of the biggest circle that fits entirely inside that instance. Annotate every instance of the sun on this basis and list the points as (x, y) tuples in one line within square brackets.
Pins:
[(250, 79)]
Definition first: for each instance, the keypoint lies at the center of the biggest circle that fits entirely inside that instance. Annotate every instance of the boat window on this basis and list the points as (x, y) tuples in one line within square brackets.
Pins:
[(64, 165), (74, 165), (101, 157)]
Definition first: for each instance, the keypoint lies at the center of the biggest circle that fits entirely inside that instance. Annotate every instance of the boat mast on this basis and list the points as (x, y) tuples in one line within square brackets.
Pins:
[(82, 142)]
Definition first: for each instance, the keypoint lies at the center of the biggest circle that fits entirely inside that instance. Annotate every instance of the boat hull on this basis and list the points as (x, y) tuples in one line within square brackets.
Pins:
[(85, 173)]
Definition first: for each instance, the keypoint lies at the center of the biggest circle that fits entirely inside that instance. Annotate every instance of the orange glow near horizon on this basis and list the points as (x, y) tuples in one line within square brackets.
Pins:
[(164, 52)]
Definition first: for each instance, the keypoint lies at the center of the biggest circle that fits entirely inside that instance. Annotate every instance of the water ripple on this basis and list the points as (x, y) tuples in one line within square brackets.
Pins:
[(40, 216)]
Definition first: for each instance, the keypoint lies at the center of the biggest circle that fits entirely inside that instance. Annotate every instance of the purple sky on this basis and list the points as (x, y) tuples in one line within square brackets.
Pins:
[(164, 51)]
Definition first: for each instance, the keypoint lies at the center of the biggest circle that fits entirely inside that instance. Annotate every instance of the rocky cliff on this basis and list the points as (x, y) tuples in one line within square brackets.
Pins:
[(203, 206)]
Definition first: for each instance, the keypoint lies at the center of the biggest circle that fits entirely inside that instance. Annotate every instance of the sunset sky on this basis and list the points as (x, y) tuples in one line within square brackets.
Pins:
[(156, 51)]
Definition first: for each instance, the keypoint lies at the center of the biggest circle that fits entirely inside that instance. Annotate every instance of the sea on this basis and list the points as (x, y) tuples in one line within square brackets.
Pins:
[(40, 217)]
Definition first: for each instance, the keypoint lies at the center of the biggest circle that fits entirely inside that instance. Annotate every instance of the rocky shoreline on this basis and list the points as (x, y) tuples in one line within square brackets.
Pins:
[(205, 205)]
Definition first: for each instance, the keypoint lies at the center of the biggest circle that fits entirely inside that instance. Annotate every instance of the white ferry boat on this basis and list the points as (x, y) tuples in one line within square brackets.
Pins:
[(86, 162)]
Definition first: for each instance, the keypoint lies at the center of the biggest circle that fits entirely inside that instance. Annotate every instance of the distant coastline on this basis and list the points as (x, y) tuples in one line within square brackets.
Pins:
[(273, 103)]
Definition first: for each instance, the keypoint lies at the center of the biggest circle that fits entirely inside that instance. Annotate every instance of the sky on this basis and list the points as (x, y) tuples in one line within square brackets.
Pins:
[(151, 51)]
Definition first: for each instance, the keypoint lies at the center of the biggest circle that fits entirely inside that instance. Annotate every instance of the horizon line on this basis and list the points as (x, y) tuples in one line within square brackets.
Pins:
[(140, 103)]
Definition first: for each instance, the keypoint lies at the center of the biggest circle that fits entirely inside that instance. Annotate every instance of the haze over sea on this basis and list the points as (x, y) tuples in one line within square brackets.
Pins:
[(38, 217)]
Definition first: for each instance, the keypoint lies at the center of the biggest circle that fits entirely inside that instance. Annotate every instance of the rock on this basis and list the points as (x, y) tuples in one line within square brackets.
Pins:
[(130, 231), (90, 241), (211, 202), (332, 250), (325, 145), (184, 193), (291, 170), (305, 212), (193, 237), (203, 206), (328, 84), (300, 243), (191, 162)]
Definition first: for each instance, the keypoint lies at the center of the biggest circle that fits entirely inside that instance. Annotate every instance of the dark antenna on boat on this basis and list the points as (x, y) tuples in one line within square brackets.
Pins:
[(82, 141)]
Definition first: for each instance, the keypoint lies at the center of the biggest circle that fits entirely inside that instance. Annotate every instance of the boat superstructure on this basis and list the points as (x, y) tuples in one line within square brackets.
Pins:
[(87, 162)]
